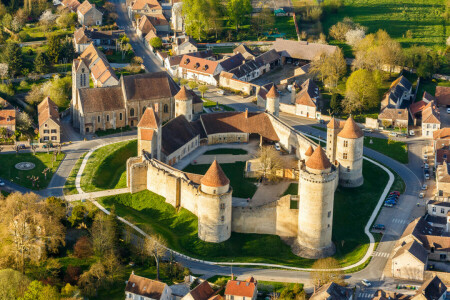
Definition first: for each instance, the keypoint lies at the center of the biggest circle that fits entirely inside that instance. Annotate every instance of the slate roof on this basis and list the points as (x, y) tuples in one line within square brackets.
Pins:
[(149, 86), (442, 95), (236, 122), (432, 289), (427, 97), (245, 51), (101, 99), (232, 62), (47, 109), (332, 291), (301, 49), (398, 87), (246, 68), (145, 287), (84, 35), (176, 133), (241, 288), (415, 249)]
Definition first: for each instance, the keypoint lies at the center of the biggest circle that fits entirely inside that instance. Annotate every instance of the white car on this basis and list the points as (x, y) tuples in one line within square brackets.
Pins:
[(366, 282), (448, 110), (220, 92), (2, 183), (424, 187), (426, 166), (421, 195), (427, 176), (425, 156), (411, 133), (277, 147)]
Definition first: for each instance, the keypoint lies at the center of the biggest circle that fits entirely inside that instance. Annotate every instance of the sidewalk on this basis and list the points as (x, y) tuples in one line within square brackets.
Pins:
[(93, 195)]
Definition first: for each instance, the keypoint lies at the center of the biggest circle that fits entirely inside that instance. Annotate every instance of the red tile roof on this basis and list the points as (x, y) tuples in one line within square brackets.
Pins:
[(182, 94), (417, 107), (318, 160), (351, 130), (47, 109), (145, 287), (146, 134), (215, 177), (309, 151), (198, 65), (442, 95), (443, 133), (272, 93), (202, 292), (149, 119), (240, 288), (7, 117), (152, 4), (430, 114)]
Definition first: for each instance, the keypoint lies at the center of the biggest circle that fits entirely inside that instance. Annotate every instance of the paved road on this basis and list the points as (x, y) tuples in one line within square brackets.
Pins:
[(151, 63)]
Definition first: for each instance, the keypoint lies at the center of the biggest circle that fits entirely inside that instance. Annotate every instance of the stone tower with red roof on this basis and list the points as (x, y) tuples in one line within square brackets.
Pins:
[(273, 102), (214, 212), (183, 103), (149, 134), (317, 185)]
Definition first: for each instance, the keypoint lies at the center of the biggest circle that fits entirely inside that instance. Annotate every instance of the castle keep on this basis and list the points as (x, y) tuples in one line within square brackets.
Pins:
[(209, 196)]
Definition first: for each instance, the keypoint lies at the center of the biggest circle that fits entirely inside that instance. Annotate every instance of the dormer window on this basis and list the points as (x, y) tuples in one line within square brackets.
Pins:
[(8, 119), (205, 67), (186, 61), (197, 65)]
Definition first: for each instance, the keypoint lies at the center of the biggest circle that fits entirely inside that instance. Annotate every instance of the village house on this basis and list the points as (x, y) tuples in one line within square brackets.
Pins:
[(387, 295), (241, 290), (88, 14), (399, 94), (437, 213), (8, 120), (171, 63), (141, 288), (306, 101), (442, 95), (431, 120), (416, 108), (332, 291), (393, 117), (72, 5), (245, 51), (203, 291), (144, 7), (177, 22), (300, 52), (83, 37), (441, 148), (253, 68), (49, 122), (229, 81), (410, 261), (184, 45)]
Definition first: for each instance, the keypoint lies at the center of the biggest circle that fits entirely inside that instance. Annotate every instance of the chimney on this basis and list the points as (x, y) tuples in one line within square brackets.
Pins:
[(232, 276), (246, 113)]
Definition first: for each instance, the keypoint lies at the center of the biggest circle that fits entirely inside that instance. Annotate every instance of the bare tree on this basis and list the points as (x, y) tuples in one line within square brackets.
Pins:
[(271, 162), (326, 272), (155, 246)]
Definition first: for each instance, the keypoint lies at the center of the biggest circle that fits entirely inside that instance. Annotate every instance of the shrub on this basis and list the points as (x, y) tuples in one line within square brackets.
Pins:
[(72, 274), (83, 248), (23, 36)]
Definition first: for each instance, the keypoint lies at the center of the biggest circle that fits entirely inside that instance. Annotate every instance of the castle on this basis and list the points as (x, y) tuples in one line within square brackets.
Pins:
[(209, 196)]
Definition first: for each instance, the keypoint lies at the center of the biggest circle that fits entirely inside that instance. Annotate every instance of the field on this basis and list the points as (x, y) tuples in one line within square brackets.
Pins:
[(42, 160), (105, 168), (179, 228), (422, 17)]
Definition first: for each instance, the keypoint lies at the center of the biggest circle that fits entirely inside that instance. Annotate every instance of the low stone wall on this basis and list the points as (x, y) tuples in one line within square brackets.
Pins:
[(236, 85), (287, 108)]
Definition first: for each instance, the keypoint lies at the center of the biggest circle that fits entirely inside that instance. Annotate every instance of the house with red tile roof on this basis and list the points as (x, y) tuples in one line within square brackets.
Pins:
[(431, 120), (8, 120), (241, 290), (138, 287), (203, 291), (49, 123), (88, 14), (442, 95), (144, 7), (306, 100)]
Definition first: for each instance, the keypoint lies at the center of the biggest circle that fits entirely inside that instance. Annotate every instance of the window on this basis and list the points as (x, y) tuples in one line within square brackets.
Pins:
[(222, 218), (87, 129), (348, 169), (132, 112), (45, 138), (345, 143), (98, 119), (46, 125), (222, 205), (53, 131), (166, 108), (442, 211), (130, 295), (344, 155), (434, 209), (107, 118), (120, 116), (53, 138), (46, 131), (329, 214), (328, 226)]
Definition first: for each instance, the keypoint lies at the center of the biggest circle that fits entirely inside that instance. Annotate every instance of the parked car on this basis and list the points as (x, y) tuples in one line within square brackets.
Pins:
[(425, 156), (388, 204), (403, 135), (395, 134), (426, 166), (394, 193), (220, 92), (391, 200), (424, 187), (2, 183), (277, 147), (427, 176), (49, 145), (421, 195), (367, 129), (448, 109), (21, 146), (366, 282), (378, 227), (411, 133)]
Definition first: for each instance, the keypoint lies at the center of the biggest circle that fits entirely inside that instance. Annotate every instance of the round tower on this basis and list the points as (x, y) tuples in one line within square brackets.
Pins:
[(183, 103), (315, 217), (349, 154), (214, 206), (149, 134), (273, 102), (332, 133)]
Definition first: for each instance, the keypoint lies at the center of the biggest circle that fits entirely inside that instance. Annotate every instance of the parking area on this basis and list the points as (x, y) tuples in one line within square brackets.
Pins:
[(445, 117)]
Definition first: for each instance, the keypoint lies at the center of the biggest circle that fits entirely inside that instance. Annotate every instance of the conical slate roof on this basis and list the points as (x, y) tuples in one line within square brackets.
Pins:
[(309, 151), (182, 94), (351, 130), (333, 124), (215, 177), (149, 119), (272, 93), (318, 160)]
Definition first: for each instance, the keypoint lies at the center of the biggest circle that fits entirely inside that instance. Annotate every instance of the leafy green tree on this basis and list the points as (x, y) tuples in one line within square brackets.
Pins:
[(330, 67), (7, 21), (104, 233), (193, 85), (321, 278), (335, 103), (155, 42), (41, 63), (77, 216), (263, 21), (38, 291), (237, 10), (361, 91), (203, 89), (54, 48), (13, 284), (12, 55), (67, 51), (196, 18)]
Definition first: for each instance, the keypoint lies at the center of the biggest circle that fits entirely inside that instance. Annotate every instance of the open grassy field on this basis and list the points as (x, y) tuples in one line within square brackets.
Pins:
[(179, 228), (242, 187), (42, 160), (422, 17), (105, 168)]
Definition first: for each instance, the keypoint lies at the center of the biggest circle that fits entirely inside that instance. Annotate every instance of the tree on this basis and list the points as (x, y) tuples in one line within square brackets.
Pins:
[(47, 19), (67, 19), (78, 214), (354, 36), (92, 279), (361, 91), (54, 48), (38, 291), (335, 103), (41, 63), (271, 162), (13, 284), (32, 229), (296, 292), (12, 55), (196, 18), (237, 10), (23, 121), (72, 274), (104, 233), (424, 60), (69, 291), (203, 89), (59, 90), (340, 29), (67, 51), (326, 271), (155, 42), (83, 248), (7, 21), (263, 21), (155, 246), (192, 85), (330, 67)]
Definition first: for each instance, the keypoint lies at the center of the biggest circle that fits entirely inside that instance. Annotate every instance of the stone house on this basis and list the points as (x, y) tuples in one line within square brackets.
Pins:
[(441, 148), (88, 14), (177, 22), (72, 5), (416, 108), (410, 262), (442, 95), (300, 52), (306, 101), (171, 63), (84, 36), (144, 26), (253, 68), (229, 80), (268, 61), (203, 291), (437, 213), (431, 120), (393, 117), (144, 7), (141, 288), (399, 94), (184, 45), (49, 122), (443, 180), (245, 51), (241, 290), (332, 291), (432, 289)]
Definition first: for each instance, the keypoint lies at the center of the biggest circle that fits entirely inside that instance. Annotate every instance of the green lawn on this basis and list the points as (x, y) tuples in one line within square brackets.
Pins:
[(422, 17), (149, 211), (42, 160), (212, 104), (231, 151), (242, 187), (394, 149), (292, 189), (69, 185), (105, 168), (112, 131)]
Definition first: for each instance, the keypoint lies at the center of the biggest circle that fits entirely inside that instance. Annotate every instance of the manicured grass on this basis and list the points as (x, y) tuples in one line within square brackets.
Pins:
[(422, 17), (242, 187), (211, 104), (231, 151), (113, 131), (394, 149), (149, 211), (319, 128), (42, 160), (106, 165), (285, 25), (69, 186), (292, 189)]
